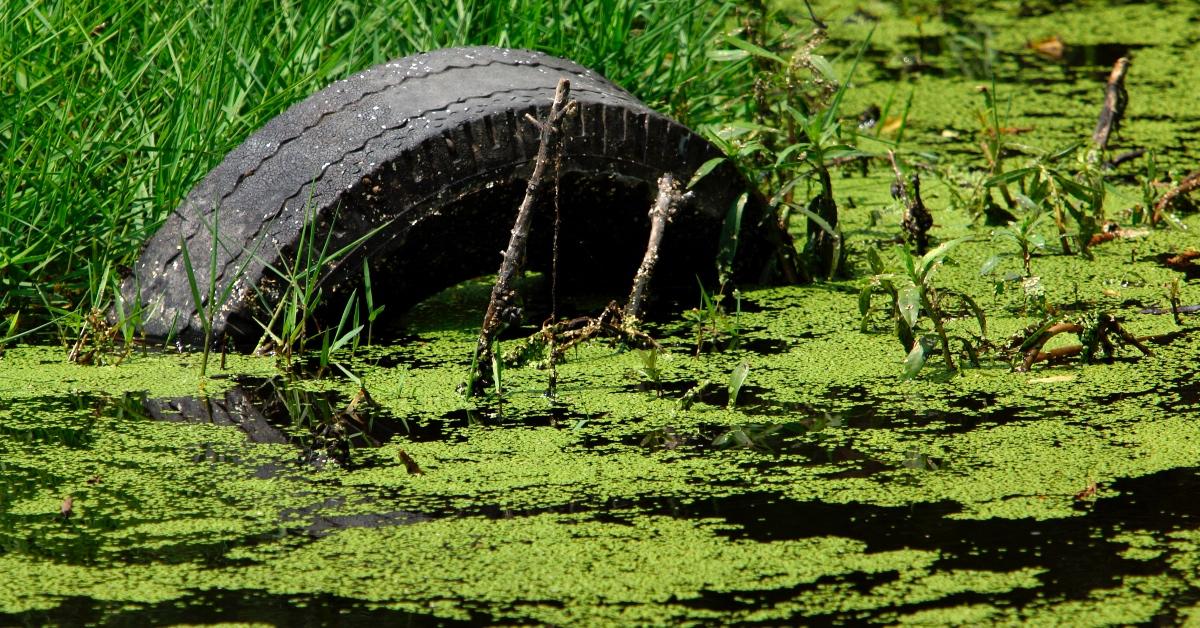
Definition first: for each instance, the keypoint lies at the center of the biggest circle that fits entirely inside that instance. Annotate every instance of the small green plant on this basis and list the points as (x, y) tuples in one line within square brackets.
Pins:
[(1078, 194), (1024, 233), (97, 337), (993, 146), (912, 292), (737, 379), (369, 294), (207, 303), (10, 333), (1144, 211), (714, 326), (650, 369), (1172, 291)]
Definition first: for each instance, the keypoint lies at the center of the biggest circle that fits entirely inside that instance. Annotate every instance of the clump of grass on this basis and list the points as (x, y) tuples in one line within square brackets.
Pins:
[(292, 328)]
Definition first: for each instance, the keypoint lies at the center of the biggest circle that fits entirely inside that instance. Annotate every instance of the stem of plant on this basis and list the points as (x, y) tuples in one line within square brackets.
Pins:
[(927, 303)]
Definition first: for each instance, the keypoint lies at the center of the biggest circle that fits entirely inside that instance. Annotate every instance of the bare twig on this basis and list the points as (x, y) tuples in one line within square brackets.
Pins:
[(1107, 327), (1124, 157), (1189, 183), (665, 206), (501, 308), (1115, 99)]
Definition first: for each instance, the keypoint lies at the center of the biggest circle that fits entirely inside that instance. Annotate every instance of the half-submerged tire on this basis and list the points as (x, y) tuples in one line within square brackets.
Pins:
[(430, 153)]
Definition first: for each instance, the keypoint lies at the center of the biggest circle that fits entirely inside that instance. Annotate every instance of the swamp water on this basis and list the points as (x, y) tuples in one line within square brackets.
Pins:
[(828, 490)]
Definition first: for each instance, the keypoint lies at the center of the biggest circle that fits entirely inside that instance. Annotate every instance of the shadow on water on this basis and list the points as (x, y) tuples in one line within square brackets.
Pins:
[(73, 434), (325, 425), (1079, 553), (248, 607)]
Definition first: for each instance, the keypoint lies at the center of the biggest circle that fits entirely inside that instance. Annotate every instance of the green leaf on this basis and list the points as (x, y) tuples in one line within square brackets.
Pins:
[(728, 55), (909, 263), (736, 379), (755, 50), (864, 306), (864, 300), (745, 125), (782, 156), (728, 245), (991, 263), (1009, 177), (1066, 152), (908, 301), (842, 151), (874, 261), (345, 338), (821, 64), (821, 222), (1026, 203), (15, 319), (197, 302), (703, 170), (935, 256), (914, 361), (1033, 338), (1073, 188)]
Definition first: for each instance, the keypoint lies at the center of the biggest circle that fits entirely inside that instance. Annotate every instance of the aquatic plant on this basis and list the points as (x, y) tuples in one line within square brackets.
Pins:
[(912, 292), (792, 135), (206, 304), (1078, 193), (737, 379), (650, 369), (713, 325), (97, 335), (1024, 233)]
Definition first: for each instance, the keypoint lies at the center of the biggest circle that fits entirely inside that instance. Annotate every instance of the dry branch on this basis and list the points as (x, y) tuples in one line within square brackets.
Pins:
[(1115, 99), (665, 205), (501, 307), (1189, 183)]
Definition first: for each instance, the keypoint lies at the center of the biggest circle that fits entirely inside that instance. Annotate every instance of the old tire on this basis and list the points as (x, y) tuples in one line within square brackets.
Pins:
[(434, 147)]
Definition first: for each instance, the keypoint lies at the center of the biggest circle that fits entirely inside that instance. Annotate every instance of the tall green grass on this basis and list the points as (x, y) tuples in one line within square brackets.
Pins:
[(111, 110)]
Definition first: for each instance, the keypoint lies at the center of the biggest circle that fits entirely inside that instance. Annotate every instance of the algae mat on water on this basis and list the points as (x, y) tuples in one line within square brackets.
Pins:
[(828, 490)]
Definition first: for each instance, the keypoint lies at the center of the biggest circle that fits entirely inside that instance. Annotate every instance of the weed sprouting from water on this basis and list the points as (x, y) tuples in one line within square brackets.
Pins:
[(713, 325), (736, 380), (292, 326), (1046, 186), (913, 292)]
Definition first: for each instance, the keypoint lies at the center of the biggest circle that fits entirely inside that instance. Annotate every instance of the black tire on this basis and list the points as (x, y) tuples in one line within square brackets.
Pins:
[(435, 147)]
